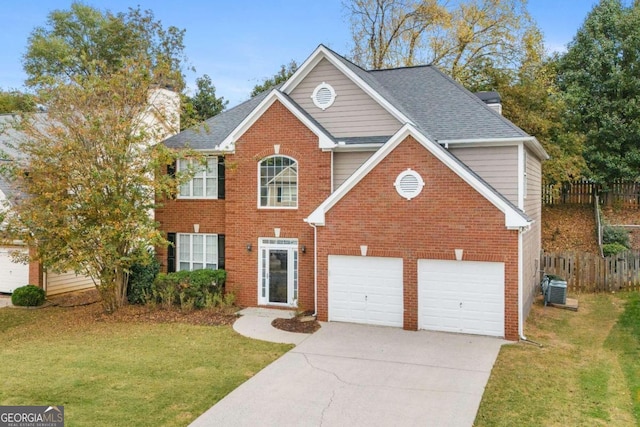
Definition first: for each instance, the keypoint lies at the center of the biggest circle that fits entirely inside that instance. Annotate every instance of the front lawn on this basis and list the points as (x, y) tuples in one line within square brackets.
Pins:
[(587, 372), (109, 373)]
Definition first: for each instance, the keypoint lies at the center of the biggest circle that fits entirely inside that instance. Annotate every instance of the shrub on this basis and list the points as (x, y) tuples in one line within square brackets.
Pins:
[(164, 289), (28, 296), (611, 249), (615, 235), (141, 277), (198, 289)]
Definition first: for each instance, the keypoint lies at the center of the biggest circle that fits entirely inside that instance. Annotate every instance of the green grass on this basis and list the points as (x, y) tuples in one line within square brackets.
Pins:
[(122, 374), (625, 339), (587, 372)]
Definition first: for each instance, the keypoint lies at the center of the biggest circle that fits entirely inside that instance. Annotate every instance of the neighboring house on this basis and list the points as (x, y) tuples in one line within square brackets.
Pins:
[(16, 274), (390, 197)]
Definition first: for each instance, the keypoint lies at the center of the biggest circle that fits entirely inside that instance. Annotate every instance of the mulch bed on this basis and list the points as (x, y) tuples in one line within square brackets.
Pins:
[(295, 325), (87, 306)]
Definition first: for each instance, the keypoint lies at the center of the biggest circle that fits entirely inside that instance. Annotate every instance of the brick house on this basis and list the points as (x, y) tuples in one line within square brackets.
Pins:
[(390, 197)]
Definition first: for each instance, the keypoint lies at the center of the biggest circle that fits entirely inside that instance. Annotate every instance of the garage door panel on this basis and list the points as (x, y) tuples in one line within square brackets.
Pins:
[(12, 275), (461, 296), (366, 290)]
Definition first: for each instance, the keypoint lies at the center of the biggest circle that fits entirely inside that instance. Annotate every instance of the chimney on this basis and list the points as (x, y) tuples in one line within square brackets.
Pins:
[(492, 99)]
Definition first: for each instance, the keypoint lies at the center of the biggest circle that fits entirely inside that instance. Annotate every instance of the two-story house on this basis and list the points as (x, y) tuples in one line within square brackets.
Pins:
[(389, 197)]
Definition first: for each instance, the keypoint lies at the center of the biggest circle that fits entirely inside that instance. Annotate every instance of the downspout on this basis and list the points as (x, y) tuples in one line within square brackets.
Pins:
[(521, 335), (315, 269), (520, 287)]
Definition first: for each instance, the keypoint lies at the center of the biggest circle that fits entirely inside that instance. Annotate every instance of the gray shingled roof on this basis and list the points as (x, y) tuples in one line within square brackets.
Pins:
[(442, 107), (214, 130)]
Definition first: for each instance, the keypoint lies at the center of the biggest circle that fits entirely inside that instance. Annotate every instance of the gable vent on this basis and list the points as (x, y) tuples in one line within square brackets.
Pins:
[(323, 96), (409, 184)]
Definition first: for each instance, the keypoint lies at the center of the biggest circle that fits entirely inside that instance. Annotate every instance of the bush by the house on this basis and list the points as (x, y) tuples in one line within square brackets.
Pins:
[(617, 235), (141, 277), (611, 249), (192, 289), (28, 296)]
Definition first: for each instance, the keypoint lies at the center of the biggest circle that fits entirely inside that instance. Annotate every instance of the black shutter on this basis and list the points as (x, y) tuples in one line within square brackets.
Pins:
[(171, 253), (221, 251), (171, 169), (221, 177)]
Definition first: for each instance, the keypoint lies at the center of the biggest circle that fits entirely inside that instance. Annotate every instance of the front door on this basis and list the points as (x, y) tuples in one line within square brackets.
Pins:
[(278, 272)]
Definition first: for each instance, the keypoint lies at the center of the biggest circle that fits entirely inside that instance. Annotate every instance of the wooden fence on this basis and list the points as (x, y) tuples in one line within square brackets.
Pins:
[(585, 272), (618, 193)]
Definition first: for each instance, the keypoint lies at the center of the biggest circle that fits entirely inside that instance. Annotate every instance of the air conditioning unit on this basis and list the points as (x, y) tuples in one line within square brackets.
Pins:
[(554, 289)]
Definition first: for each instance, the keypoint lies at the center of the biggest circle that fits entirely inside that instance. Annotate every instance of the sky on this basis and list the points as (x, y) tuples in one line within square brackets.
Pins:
[(239, 43)]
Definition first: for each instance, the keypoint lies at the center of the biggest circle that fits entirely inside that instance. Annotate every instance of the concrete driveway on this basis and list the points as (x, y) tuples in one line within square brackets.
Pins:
[(355, 375)]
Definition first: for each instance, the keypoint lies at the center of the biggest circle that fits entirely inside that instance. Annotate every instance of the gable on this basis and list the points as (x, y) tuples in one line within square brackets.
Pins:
[(354, 113), (513, 217), (447, 211)]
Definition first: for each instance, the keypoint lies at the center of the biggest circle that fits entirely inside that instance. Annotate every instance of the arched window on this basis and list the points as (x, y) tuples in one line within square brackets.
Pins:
[(278, 180)]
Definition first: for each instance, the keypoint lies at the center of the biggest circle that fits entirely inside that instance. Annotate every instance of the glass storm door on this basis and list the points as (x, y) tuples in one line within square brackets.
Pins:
[(278, 284)]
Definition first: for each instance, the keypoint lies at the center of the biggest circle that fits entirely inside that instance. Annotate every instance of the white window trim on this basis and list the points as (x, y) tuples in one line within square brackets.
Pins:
[(202, 168), (260, 185), (179, 260), (525, 190), (291, 245)]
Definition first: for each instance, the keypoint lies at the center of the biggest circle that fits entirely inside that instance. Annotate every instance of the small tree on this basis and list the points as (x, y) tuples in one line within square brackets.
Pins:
[(89, 176), (88, 172)]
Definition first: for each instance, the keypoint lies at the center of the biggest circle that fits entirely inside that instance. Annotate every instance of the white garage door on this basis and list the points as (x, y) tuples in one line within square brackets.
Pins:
[(12, 275), (365, 290), (461, 296)]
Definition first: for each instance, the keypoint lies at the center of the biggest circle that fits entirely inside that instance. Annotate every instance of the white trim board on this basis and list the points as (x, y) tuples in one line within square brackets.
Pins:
[(514, 219)]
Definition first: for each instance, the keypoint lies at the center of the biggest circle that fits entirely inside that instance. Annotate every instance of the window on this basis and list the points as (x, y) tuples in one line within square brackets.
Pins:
[(197, 251), (278, 178), (204, 184)]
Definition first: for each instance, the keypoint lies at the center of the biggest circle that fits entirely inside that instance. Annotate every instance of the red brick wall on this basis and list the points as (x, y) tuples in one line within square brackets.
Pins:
[(179, 216), (448, 214), (245, 223), (35, 271)]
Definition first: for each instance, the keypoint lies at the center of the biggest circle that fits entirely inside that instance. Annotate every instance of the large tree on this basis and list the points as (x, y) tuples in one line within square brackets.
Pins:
[(461, 38), (84, 41), (483, 44), (88, 171), (202, 105), (600, 76)]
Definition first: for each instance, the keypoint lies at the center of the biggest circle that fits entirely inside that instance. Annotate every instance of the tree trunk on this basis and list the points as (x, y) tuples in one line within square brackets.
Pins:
[(113, 289)]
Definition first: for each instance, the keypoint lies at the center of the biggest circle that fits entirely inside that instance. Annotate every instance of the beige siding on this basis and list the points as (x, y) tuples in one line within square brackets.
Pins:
[(67, 282), (498, 166), (345, 164), (354, 113), (531, 243)]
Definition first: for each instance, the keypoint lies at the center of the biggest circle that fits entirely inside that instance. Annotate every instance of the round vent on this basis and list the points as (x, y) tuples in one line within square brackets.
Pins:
[(323, 96), (409, 184)]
